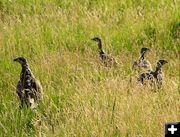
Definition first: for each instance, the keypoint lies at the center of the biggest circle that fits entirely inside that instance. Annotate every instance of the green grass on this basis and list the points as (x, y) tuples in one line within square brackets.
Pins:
[(82, 97)]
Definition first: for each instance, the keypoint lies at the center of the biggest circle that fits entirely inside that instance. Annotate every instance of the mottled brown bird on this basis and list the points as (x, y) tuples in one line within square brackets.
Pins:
[(142, 64), (155, 77), (106, 59), (28, 88)]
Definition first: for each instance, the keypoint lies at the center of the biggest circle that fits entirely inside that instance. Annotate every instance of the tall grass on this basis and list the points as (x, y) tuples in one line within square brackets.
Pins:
[(82, 97)]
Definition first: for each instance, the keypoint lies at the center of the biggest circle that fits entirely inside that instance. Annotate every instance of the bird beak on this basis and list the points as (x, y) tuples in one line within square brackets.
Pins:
[(165, 62), (147, 50), (93, 39), (16, 59)]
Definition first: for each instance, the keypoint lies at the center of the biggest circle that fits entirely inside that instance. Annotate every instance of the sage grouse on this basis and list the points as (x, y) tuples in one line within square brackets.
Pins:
[(107, 60), (28, 88), (155, 77), (142, 64)]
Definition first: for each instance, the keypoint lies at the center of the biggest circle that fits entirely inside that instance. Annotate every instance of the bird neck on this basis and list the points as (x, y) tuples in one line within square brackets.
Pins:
[(101, 53), (158, 70), (142, 56), (25, 67), (25, 71), (100, 46)]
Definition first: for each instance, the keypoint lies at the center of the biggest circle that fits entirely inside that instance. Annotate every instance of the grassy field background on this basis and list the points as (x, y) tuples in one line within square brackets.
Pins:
[(82, 97)]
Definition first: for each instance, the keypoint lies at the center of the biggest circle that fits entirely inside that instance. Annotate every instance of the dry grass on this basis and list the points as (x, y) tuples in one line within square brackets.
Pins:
[(82, 97)]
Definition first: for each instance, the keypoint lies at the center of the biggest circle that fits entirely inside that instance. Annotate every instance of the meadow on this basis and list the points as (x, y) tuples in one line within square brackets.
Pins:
[(84, 98)]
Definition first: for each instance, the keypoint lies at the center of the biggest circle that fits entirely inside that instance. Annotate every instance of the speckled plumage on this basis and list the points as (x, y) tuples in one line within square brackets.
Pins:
[(28, 88), (155, 77), (106, 59), (142, 64)]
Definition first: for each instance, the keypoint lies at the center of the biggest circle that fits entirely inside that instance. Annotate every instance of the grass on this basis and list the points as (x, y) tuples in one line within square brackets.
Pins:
[(82, 97)]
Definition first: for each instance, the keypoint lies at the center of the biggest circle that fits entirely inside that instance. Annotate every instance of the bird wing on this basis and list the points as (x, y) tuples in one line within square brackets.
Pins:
[(145, 76), (30, 98), (38, 88), (109, 60), (135, 65), (146, 64), (19, 89)]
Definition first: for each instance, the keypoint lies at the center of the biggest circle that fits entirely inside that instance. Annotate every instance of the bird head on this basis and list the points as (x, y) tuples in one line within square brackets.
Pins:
[(144, 50), (96, 39), (21, 60), (161, 62)]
